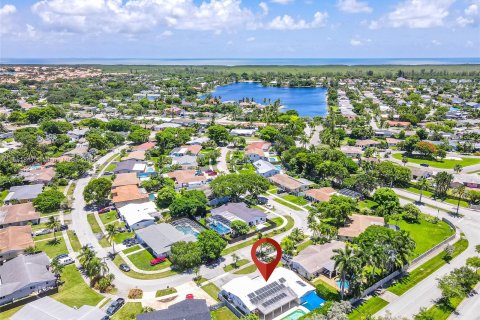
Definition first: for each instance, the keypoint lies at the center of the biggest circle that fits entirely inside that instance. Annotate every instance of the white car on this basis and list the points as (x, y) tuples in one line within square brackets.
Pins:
[(66, 261), (40, 232), (269, 206)]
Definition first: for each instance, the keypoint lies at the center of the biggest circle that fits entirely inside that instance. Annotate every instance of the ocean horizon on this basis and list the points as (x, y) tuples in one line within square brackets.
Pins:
[(241, 61)]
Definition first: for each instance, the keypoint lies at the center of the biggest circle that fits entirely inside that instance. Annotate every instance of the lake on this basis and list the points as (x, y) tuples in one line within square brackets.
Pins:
[(307, 101)]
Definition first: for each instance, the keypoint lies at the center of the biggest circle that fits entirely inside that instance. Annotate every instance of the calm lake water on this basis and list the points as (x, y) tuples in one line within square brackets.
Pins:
[(307, 101)]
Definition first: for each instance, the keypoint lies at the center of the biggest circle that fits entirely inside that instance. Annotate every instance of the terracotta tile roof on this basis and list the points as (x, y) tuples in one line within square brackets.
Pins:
[(138, 155), (53, 161), (359, 223), (393, 140), (127, 193), (39, 175), (186, 176), (260, 152), (193, 148), (322, 194), (366, 142), (286, 181), (16, 238), (18, 213), (259, 145), (145, 146), (125, 179), (398, 123)]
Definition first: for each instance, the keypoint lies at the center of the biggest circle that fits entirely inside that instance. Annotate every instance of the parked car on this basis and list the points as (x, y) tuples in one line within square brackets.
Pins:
[(124, 267), (115, 306), (105, 210), (108, 173), (60, 256), (64, 261), (269, 206), (130, 242), (189, 296), (424, 164), (157, 261), (40, 232), (106, 318), (62, 227)]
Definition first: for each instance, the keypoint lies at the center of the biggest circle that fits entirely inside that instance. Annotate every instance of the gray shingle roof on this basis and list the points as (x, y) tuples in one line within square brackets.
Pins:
[(240, 210), (27, 192), (195, 309), (159, 237)]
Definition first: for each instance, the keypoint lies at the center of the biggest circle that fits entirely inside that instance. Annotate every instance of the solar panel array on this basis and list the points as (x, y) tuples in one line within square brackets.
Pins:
[(301, 283), (282, 280), (265, 292), (274, 299)]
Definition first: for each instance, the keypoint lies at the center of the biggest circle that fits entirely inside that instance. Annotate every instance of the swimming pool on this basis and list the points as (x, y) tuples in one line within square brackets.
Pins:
[(279, 167), (297, 314), (220, 228), (151, 196), (186, 229), (312, 301), (339, 284)]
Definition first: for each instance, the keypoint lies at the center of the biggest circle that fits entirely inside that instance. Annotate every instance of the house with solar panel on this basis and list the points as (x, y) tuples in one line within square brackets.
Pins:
[(283, 293)]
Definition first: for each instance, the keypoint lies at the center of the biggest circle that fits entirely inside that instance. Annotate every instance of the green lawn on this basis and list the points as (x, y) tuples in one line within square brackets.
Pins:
[(429, 194), (326, 291), (51, 248), (289, 225), (287, 204), (119, 237), (223, 314), (165, 292), (108, 217), (424, 270), (369, 204), (142, 261), (6, 314), (74, 292), (441, 311), (74, 240), (426, 234), (212, 290), (3, 195), (295, 199), (368, 308), (304, 245), (444, 164), (141, 276), (247, 270), (132, 249), (231, 267), (111, 167), (128, 312), (93, 223)]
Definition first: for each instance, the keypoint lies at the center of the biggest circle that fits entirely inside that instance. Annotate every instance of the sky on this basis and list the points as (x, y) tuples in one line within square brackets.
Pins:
[(239, 28)]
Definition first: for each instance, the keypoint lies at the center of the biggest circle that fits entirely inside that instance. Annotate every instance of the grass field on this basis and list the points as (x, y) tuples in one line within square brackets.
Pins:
[(3, 195), (287, 204), (304, 245), (108, 217), (295, 199), (119, 237), (426, 234), (74, 292), (443, 164), (51, 248), (74, 240), (132, 249), (141, 276), (93, 223), (429, 194), (223, 314), (424, 270), (165, 292), (247, 270), (231, 267), (142, 261), (128, 312), (367, 309), (212, 290)]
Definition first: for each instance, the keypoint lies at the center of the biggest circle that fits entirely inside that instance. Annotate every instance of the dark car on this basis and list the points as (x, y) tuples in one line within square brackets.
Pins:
[(124, 267), (115, 306), (64, 227), (60, 256), (130, 242), (106, 318), (424, 165)]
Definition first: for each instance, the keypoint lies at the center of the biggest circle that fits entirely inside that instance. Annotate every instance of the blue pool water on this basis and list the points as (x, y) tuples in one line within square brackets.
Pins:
[(307, 101), (279, 167), (297, 314), (220, 228), (312, 301), (339, 284), (185, 229), (151, 196), (150, 169)]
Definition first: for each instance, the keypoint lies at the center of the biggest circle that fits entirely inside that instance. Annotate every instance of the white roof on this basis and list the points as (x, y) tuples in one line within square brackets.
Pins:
[(139, 167), (137, 212), (263, 166), (243, 286)]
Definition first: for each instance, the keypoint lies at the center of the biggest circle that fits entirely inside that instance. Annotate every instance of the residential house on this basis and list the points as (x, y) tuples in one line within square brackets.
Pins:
[(243, 132), (14, 240), (383, 133), (138, 155), (18, 215), (124, 195), (189, 309), (47, 308), (316, 260), (160, 237), (418, 173), (23, 194), (138, 215), (402, 124), (230, 212), (350, 193), (25, 275), (77, 134), (198, 141), (283, 291), (357, 224), (352, 152), (145, 146), (181, 151), (174, 111), (392, 142), (320, 195), (187, 178), (289, 184), (41, 175), (125, 179), (265, 168), (53, 161), (468, 180), (129, 166), (165, 125), (186, 162), (81, 151), (367, 143)]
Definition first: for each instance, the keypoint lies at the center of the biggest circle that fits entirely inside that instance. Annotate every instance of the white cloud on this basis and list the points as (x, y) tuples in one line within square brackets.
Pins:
[(353, 6), (282, 1), (416, 14), (358, 41), (471, 15), (135, 16), (251, 39), (286, 22), (264, 7), (5, 15), (436, 42), (166, 34)]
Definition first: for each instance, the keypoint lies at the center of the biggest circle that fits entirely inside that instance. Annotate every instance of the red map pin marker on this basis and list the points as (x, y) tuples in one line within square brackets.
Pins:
[(266, 269)]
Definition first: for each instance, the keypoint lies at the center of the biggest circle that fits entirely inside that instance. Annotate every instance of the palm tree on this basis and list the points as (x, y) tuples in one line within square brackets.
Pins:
[(235, 259), (111, 232), (346, 262), (404, 160), (459, 191), (422, 184), (56, 267), (457, 168), (196, 271), (86, 255), (297, 235), (54, 225)]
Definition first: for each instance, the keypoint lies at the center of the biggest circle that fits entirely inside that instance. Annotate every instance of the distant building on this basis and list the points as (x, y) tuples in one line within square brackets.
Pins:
[(160, 237), (265, 168), (238, 211), (321, 194), (187, 179), (243, 132), (290, 184), (128, 166), (138, 215), (41, 175)]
